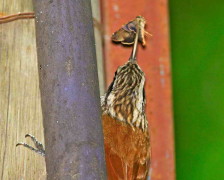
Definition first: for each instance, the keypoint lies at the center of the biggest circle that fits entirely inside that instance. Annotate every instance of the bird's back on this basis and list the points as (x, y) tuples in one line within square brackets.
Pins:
[(127, 150)]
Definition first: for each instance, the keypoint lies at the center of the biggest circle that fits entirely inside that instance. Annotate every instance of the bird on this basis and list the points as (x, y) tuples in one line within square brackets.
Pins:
[(125, 126)]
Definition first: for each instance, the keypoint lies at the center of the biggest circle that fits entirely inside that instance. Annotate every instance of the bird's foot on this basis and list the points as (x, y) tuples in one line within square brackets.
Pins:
[(39, 146)]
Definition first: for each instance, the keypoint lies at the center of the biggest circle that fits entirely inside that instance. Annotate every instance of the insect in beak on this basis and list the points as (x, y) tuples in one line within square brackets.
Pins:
[(126, 34)]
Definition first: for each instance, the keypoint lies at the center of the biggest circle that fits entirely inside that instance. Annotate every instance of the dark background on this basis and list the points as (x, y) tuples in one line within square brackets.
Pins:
[(197, 48)]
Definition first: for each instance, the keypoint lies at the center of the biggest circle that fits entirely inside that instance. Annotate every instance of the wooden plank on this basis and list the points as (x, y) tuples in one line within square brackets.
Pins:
[(20, 110), (99, 42), (19, 92), (155, 62)]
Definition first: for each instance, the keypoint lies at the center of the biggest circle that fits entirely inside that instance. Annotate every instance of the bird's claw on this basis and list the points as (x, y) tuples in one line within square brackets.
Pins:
[(39, 146)]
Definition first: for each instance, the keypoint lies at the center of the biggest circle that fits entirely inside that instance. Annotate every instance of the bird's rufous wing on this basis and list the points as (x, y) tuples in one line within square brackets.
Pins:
[(127, 151)]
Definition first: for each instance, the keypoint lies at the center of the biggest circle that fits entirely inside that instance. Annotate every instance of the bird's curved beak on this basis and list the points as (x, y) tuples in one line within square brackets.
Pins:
[(135, 46)]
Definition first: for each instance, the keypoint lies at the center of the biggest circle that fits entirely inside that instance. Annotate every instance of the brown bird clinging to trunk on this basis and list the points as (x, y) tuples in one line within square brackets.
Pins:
[(125, 127)]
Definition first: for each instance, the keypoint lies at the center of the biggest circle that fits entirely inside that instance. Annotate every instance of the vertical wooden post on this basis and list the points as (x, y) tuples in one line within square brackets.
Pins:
[(20, 110), (99, 42), (155, 62), (69, 90)]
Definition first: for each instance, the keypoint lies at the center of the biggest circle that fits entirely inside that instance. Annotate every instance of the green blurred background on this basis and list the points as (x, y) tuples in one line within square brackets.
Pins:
[(197, 42)]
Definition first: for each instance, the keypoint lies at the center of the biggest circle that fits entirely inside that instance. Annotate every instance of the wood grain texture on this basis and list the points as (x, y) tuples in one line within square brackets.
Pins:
[(20, 109), (19, 92), (99, 43)]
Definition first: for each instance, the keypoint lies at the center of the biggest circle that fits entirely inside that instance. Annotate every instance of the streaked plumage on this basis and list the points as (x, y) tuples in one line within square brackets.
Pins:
[(126, 137), (125, 127), (125, 98)]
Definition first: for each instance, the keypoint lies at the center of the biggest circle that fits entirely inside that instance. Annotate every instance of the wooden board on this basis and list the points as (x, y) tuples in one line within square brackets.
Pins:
[(19, 92), (99, 42), (20, 109)]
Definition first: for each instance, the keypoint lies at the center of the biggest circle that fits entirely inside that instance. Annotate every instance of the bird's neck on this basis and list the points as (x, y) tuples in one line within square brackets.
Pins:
[(125, 99)]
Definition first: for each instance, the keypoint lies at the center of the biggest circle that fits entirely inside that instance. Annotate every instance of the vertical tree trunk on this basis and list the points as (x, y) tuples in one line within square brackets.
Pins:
[(69, 90)]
